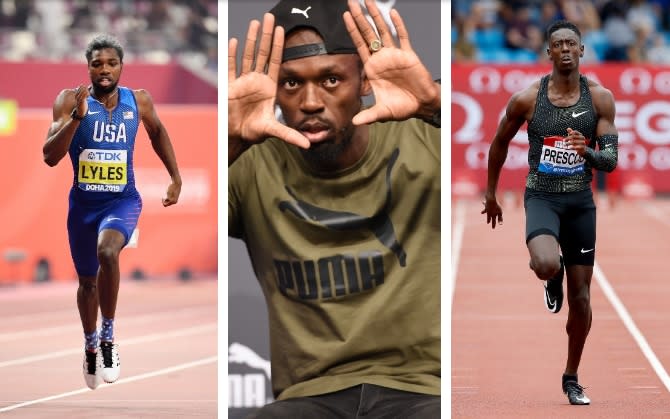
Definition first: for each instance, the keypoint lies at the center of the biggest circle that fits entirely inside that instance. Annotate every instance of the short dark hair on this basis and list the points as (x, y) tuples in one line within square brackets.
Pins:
[(562, 24), (102, 42)]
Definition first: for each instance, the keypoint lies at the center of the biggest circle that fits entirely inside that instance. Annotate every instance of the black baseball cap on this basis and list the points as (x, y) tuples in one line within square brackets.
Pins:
[(323, 16)]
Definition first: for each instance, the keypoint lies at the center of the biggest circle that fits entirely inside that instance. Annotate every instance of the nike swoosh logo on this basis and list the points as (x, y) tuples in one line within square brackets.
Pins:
[(583, 399), (114, 218), (586, 251), (575, 115), (550, 304), (93, 113)]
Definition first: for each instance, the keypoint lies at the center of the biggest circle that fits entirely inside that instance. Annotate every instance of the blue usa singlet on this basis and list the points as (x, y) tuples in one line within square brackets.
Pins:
[(102, 150), (103, 193)]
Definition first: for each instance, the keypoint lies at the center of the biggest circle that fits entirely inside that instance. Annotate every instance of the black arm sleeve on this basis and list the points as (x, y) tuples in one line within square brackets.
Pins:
[(607, 155)]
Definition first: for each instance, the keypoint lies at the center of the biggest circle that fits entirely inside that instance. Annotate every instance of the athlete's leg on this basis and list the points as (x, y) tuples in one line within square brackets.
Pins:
[(542, 233), (544, 256), (82, 236), (87, 303), (114, 232), (110, 243), (578, 241), (579, 313)]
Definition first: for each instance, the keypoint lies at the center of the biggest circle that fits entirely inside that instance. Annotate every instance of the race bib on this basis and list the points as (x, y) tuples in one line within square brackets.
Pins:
[(557, 159), (103, 170)]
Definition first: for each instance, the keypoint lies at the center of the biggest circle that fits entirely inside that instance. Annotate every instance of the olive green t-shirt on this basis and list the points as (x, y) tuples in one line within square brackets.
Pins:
[(349, 263)]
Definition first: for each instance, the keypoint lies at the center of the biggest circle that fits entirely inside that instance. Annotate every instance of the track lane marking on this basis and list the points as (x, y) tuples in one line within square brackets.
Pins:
[(134, 320), (163, 371), (458, 230), (131, 341), (627, 320), (654, 211)]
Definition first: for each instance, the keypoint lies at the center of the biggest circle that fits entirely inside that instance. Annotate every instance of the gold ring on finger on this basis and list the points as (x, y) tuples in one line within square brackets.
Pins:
[(375, 45)]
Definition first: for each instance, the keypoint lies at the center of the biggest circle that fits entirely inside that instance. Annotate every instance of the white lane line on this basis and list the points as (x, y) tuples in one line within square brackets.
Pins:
[(131, 379), (37, 316), (127, 401), (38, 333), (655, 212), (178, 333), (457, 243), (602, 281), (139, 319)]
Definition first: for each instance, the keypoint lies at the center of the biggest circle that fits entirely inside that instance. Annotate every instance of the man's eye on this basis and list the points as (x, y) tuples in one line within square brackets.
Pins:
[(290, 84)]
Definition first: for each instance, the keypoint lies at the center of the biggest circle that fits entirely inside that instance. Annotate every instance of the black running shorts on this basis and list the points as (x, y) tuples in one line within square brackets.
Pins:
[(568, 216)]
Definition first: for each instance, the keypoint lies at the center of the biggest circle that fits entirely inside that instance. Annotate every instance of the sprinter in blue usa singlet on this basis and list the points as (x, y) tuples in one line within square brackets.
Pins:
[(97, 125)]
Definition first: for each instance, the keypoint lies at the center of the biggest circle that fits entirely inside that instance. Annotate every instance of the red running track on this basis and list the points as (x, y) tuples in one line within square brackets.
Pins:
[(167, 335), (508, 352)]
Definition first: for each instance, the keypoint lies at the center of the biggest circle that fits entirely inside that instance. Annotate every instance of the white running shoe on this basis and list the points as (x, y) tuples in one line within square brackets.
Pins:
[(111, 366), (92, 369), (575, 393)]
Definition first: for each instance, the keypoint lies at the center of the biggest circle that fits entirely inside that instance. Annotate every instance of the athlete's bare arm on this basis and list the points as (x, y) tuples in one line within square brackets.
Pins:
[(606, 156), (63, 127), (160, 141), (519, 109), (603, 100)]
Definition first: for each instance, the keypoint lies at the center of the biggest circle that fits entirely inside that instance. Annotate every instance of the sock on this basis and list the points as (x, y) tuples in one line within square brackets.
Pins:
[(107, 329), (91, 340)]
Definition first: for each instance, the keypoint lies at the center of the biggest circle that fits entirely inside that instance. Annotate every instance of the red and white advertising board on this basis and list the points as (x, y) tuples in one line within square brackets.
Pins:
[(480, 94)]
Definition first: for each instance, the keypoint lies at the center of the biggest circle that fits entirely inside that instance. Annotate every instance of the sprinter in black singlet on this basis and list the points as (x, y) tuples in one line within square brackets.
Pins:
[(571, 132)]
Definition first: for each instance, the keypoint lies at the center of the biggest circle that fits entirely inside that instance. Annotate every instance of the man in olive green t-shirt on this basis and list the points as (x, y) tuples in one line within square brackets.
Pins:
[(339, 207)]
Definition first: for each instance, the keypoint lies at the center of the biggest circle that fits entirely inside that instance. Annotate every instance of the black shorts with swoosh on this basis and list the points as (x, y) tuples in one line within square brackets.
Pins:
[(568, 216)]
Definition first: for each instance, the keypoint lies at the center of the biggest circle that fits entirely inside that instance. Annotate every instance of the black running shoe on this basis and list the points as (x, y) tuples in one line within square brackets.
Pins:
[(553, 290), (575, 393)]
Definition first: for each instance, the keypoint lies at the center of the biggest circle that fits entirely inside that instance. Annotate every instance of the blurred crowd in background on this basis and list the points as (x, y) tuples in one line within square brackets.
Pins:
[(154, 31), (513, 31)]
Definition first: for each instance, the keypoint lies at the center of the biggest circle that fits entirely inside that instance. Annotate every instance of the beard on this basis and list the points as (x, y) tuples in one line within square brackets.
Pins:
[(326, 153)]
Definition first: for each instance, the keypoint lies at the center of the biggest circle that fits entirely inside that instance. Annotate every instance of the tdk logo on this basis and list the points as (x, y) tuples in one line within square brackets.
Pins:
[(105, 156)]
